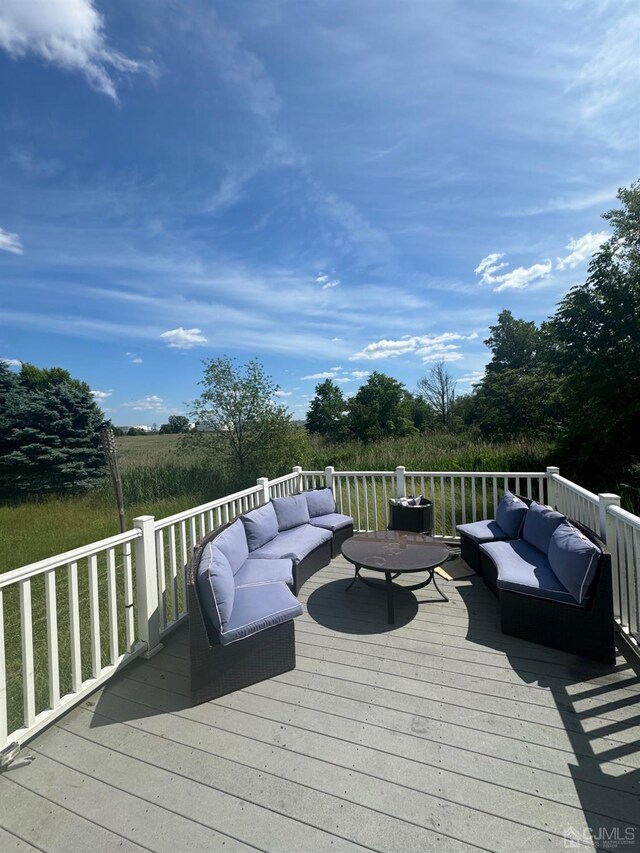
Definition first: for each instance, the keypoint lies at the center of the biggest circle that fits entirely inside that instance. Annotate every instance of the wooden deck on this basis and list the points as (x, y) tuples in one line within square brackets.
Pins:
[(438, 733)]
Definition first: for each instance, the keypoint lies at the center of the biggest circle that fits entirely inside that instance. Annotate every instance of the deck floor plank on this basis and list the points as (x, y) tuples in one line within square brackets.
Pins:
[(436, 733)]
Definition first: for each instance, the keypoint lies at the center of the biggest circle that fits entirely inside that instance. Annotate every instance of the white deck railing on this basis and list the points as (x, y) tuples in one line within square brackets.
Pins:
[(69, 622)]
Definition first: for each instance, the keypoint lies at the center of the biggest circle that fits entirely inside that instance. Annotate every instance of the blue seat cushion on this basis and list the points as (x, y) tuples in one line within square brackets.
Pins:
[(574, 559), (233, 544), (257, 571), (260, 526), (216, 586), (320, 502), (291, 511), (483, 531), (523, 568), (539, 524), (294, 544), (257, 608), (332, 521), (510, 514)]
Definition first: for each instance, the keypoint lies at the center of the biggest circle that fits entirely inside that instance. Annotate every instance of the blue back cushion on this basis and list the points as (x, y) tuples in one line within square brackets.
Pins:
[(320, 502), (291, 511), (510, 514), (574, 559), (216, 586), (260, 526), (233, 544), (539, 525)]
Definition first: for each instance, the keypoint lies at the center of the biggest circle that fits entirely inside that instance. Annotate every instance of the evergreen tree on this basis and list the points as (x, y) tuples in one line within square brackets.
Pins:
[(50, 428), (327, 415)]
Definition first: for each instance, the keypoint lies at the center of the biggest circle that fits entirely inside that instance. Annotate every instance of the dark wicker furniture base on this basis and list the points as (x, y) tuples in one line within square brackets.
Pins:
[(309, 565), (586, 631), (341, 535), (216, 669)]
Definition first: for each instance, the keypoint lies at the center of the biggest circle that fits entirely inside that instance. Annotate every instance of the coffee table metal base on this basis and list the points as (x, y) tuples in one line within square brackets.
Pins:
[(389, 586)]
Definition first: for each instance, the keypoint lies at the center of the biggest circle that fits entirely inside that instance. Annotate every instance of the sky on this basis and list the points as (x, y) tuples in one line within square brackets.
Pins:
[(333, 188)]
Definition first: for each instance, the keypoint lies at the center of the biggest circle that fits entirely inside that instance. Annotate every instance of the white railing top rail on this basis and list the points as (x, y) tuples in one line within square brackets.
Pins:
[(574, 487), (25, 572), (197, 510), (510, 474), (624, 516)]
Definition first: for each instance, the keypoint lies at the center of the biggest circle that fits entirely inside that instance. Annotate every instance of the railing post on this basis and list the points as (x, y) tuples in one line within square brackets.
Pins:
[(263, 482), (328, 477), (298, 470), (147, 585), (606, 522), (400, 488), (551, 486)]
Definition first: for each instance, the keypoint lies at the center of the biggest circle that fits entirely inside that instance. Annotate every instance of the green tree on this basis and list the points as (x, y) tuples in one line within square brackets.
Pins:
[(133, 431), (176, 424), (239, 423), (50, 433), (379, 409), (514, 343), (327, 415), (596, 331), (438, 390)]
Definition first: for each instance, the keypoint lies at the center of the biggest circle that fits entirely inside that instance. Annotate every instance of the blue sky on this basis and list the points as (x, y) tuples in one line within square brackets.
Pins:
[(331, 187)]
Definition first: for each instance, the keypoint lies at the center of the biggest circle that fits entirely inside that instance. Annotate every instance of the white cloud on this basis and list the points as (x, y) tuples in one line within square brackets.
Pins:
[(101, 395), (336, 340), (10, 242), (183, 338), (523, 276), (11, 362), (281, 393), (515, 279), (133, 358), (326, 281), (581, 248), (488, 266), (327, 374), (67, 33), (429, 347), (150, 403), (359, 374), (471, 378)]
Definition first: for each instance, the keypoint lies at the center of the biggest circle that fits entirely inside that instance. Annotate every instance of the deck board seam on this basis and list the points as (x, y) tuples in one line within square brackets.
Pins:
[(357, 803), (77, 814)]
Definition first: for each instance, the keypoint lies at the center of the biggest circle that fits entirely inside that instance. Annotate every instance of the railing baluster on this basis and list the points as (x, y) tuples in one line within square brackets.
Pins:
[(112, 606), (348, 485), (366, 503), (443, 530), (473, 500), (453, 506), (485, 512), (3, 679), (385, 502), (162, 579), (28, 671), (463, 501), (94, 616), (173, 570), (374, 490), (51, 610), (74, 628), (357, 499), (129, 621)]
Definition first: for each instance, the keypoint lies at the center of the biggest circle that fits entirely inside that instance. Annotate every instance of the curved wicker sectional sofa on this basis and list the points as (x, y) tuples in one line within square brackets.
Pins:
[(242, 581), (552, 577)]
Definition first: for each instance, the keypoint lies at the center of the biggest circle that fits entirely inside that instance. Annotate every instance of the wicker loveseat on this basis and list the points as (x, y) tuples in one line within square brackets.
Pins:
[(241, 582), (551, 575)]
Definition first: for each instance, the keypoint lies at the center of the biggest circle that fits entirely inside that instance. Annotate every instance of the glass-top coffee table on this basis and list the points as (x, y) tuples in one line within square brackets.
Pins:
[(395, 553)]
